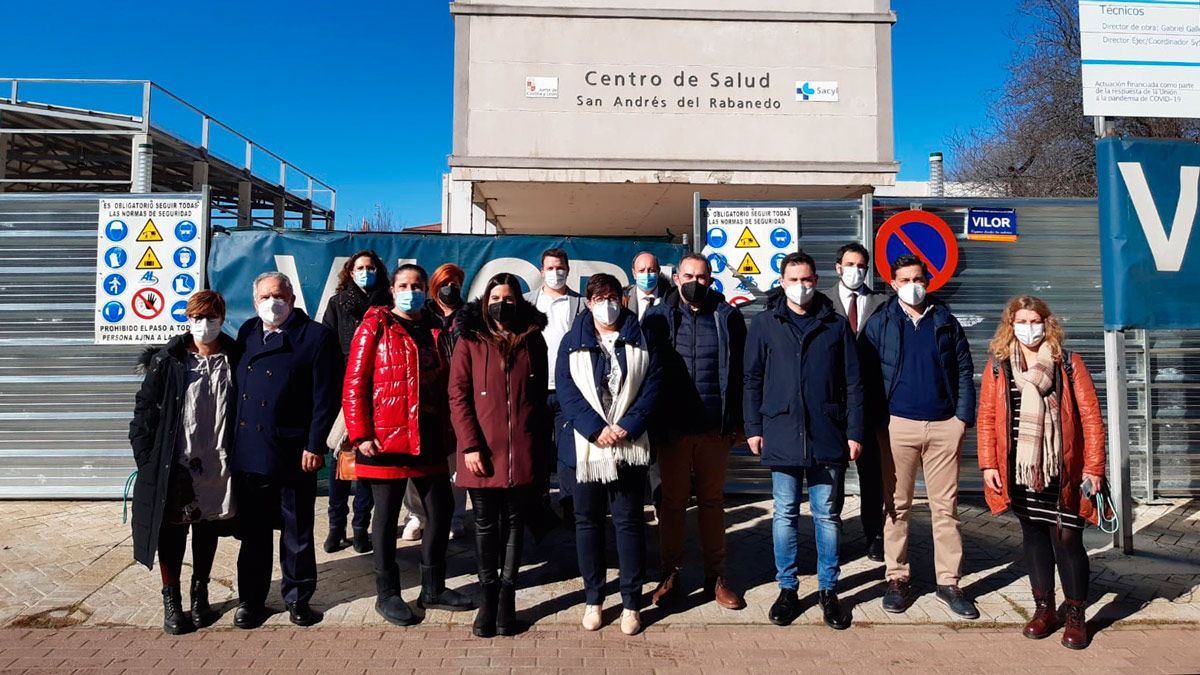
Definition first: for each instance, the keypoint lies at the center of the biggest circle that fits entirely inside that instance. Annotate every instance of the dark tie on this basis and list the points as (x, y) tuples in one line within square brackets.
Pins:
[(270, 337), (852, 312)]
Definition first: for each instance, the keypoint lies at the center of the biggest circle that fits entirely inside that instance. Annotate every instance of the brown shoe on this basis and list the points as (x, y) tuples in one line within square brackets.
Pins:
[(724, 595), (1045, 617), (668, 590), (1075, 635)]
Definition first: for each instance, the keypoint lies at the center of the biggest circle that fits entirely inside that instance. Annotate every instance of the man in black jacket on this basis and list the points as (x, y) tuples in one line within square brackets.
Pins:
[(289, 391), (701, 340)]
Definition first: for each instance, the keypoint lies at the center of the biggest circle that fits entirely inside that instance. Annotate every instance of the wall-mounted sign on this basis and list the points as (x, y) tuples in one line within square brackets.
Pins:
[(541, 87), (813, 90), (991, 224), (744, 246)]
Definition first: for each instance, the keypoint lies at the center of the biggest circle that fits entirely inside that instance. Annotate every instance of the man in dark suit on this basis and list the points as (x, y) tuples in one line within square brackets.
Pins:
[(289, 391), (856, 301)]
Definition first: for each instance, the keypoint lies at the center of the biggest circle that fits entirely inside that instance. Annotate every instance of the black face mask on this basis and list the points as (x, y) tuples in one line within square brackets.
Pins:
[(694, 292), (502, 312), (450, 295)]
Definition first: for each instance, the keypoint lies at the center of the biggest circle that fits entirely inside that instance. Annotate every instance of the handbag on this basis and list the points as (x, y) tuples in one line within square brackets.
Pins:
[(345, 469)]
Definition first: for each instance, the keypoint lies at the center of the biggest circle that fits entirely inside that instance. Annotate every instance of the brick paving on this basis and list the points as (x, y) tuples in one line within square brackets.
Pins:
[(663, 650), (69, 564)]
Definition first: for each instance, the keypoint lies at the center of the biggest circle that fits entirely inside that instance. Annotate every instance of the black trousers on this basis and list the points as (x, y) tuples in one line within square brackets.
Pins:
[(339, 493), (870, 487), (172, 542), (438, 500), (265, 503), (1047, 546), (499, 530)]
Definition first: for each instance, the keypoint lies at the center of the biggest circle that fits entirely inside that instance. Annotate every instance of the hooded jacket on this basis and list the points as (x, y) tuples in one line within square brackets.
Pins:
[(497, 404)]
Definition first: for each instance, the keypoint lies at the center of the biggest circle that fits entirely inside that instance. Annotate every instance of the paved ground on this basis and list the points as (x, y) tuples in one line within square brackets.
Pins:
[(693, 650), (71, 597)]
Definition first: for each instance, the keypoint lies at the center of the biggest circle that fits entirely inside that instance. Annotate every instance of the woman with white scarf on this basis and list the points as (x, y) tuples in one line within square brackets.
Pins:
[(608, 382), (1041, 446)]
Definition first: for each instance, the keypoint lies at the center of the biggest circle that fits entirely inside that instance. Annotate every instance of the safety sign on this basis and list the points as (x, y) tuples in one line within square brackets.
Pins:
[(744, 244), (922, 234), (149, 259)]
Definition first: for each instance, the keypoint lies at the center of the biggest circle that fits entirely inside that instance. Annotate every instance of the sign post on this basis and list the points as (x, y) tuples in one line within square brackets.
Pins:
[(744, 246)]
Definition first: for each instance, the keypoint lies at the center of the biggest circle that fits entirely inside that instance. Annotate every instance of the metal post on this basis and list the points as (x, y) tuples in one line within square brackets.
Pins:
[(249, 166), (699, 236), (147, 88), (141, 168), (1118, 436), (1148, 412), (204, 132), (867, 215), (245, 207), (3, 158), (13, 97)]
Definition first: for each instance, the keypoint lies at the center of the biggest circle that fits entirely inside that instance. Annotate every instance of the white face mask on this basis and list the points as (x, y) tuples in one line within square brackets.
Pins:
[(912, 294), (555, 279), (273, 311), (853, 277), (204, 330), (1030, 334), (799, 293), (607, 312)]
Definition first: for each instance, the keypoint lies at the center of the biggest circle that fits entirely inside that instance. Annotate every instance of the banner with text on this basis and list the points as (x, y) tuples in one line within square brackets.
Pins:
[(313, 260), (1149, 258)]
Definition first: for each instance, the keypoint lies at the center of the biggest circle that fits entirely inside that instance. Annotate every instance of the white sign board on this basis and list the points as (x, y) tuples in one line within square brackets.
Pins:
[(149, 261), (745, 246), (541, 87), (1140, 59)]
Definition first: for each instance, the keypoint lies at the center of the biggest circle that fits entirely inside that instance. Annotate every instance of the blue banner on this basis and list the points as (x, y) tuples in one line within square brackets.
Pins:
[(313, 259), (1149, 258)]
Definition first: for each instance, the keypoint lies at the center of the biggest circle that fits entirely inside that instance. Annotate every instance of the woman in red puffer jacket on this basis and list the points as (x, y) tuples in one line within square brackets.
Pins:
[(397, 418)]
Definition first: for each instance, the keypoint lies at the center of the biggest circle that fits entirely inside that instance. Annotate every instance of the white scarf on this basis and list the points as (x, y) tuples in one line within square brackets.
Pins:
[(593, 463)]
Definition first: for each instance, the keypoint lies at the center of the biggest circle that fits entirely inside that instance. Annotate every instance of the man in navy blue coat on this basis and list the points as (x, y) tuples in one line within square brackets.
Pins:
[(289, 391), (803, 408)]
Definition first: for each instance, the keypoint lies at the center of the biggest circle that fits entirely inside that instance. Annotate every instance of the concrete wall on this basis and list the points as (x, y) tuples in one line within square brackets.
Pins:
[(497, 125)]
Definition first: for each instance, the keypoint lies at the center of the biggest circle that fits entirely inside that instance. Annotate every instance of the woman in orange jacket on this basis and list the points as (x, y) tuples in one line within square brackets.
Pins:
[(1041, 444)]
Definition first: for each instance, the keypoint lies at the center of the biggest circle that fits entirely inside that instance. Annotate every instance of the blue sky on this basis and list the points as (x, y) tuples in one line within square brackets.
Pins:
[(359, 93)]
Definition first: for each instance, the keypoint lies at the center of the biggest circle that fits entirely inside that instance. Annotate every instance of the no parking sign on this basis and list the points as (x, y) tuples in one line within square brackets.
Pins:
[(922, 234)]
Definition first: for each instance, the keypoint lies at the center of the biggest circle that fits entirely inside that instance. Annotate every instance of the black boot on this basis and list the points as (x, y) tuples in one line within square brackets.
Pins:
[(506, 609), (485, 617), (388, 602), (435, 595), (202, 614), (336, 540), (362, 541), (175, 621)]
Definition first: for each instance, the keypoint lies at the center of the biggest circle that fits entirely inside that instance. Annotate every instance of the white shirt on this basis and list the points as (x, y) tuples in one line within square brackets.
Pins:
[(557, 310), (844, 293), (645, 301)]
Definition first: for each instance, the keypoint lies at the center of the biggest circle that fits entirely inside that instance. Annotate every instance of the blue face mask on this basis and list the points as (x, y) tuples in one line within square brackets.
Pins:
[(407, 301), (646, 280), (364, 278)]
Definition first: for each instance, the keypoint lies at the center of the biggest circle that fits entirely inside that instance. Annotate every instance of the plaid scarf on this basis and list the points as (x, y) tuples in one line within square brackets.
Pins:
[(1039, 440)]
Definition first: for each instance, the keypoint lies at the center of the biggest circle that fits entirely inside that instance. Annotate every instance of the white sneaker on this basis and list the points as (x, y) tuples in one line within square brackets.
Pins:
[(412, 530), (591, 617), (631, 621)]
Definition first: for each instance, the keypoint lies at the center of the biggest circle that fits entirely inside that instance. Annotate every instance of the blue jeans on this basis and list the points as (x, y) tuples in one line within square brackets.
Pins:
[(825, 485), (625, 499)]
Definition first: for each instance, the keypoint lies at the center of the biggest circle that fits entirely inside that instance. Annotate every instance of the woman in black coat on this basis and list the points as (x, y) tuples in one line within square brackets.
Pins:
[(362, 284), (180, 434)]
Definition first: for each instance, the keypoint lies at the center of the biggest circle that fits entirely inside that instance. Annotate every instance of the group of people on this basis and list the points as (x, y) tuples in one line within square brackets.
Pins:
[(623, 393)]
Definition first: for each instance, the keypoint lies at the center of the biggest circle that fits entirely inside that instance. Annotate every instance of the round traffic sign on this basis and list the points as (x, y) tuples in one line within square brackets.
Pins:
[(112, 311), (922, 234), (185, 230), (114, 284), (780, 237), (148, 303), (116, 230), (717, 237)]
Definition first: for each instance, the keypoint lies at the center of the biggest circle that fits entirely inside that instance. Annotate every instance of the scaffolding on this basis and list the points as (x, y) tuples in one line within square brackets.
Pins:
[(133, 136)]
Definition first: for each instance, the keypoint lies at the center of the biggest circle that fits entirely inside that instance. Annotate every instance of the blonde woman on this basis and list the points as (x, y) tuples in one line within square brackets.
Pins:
[(1041, 444)]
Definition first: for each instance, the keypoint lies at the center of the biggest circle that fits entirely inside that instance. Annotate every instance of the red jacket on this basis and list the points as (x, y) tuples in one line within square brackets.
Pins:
[(381, 397), (499, 408), (1082, 435)]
